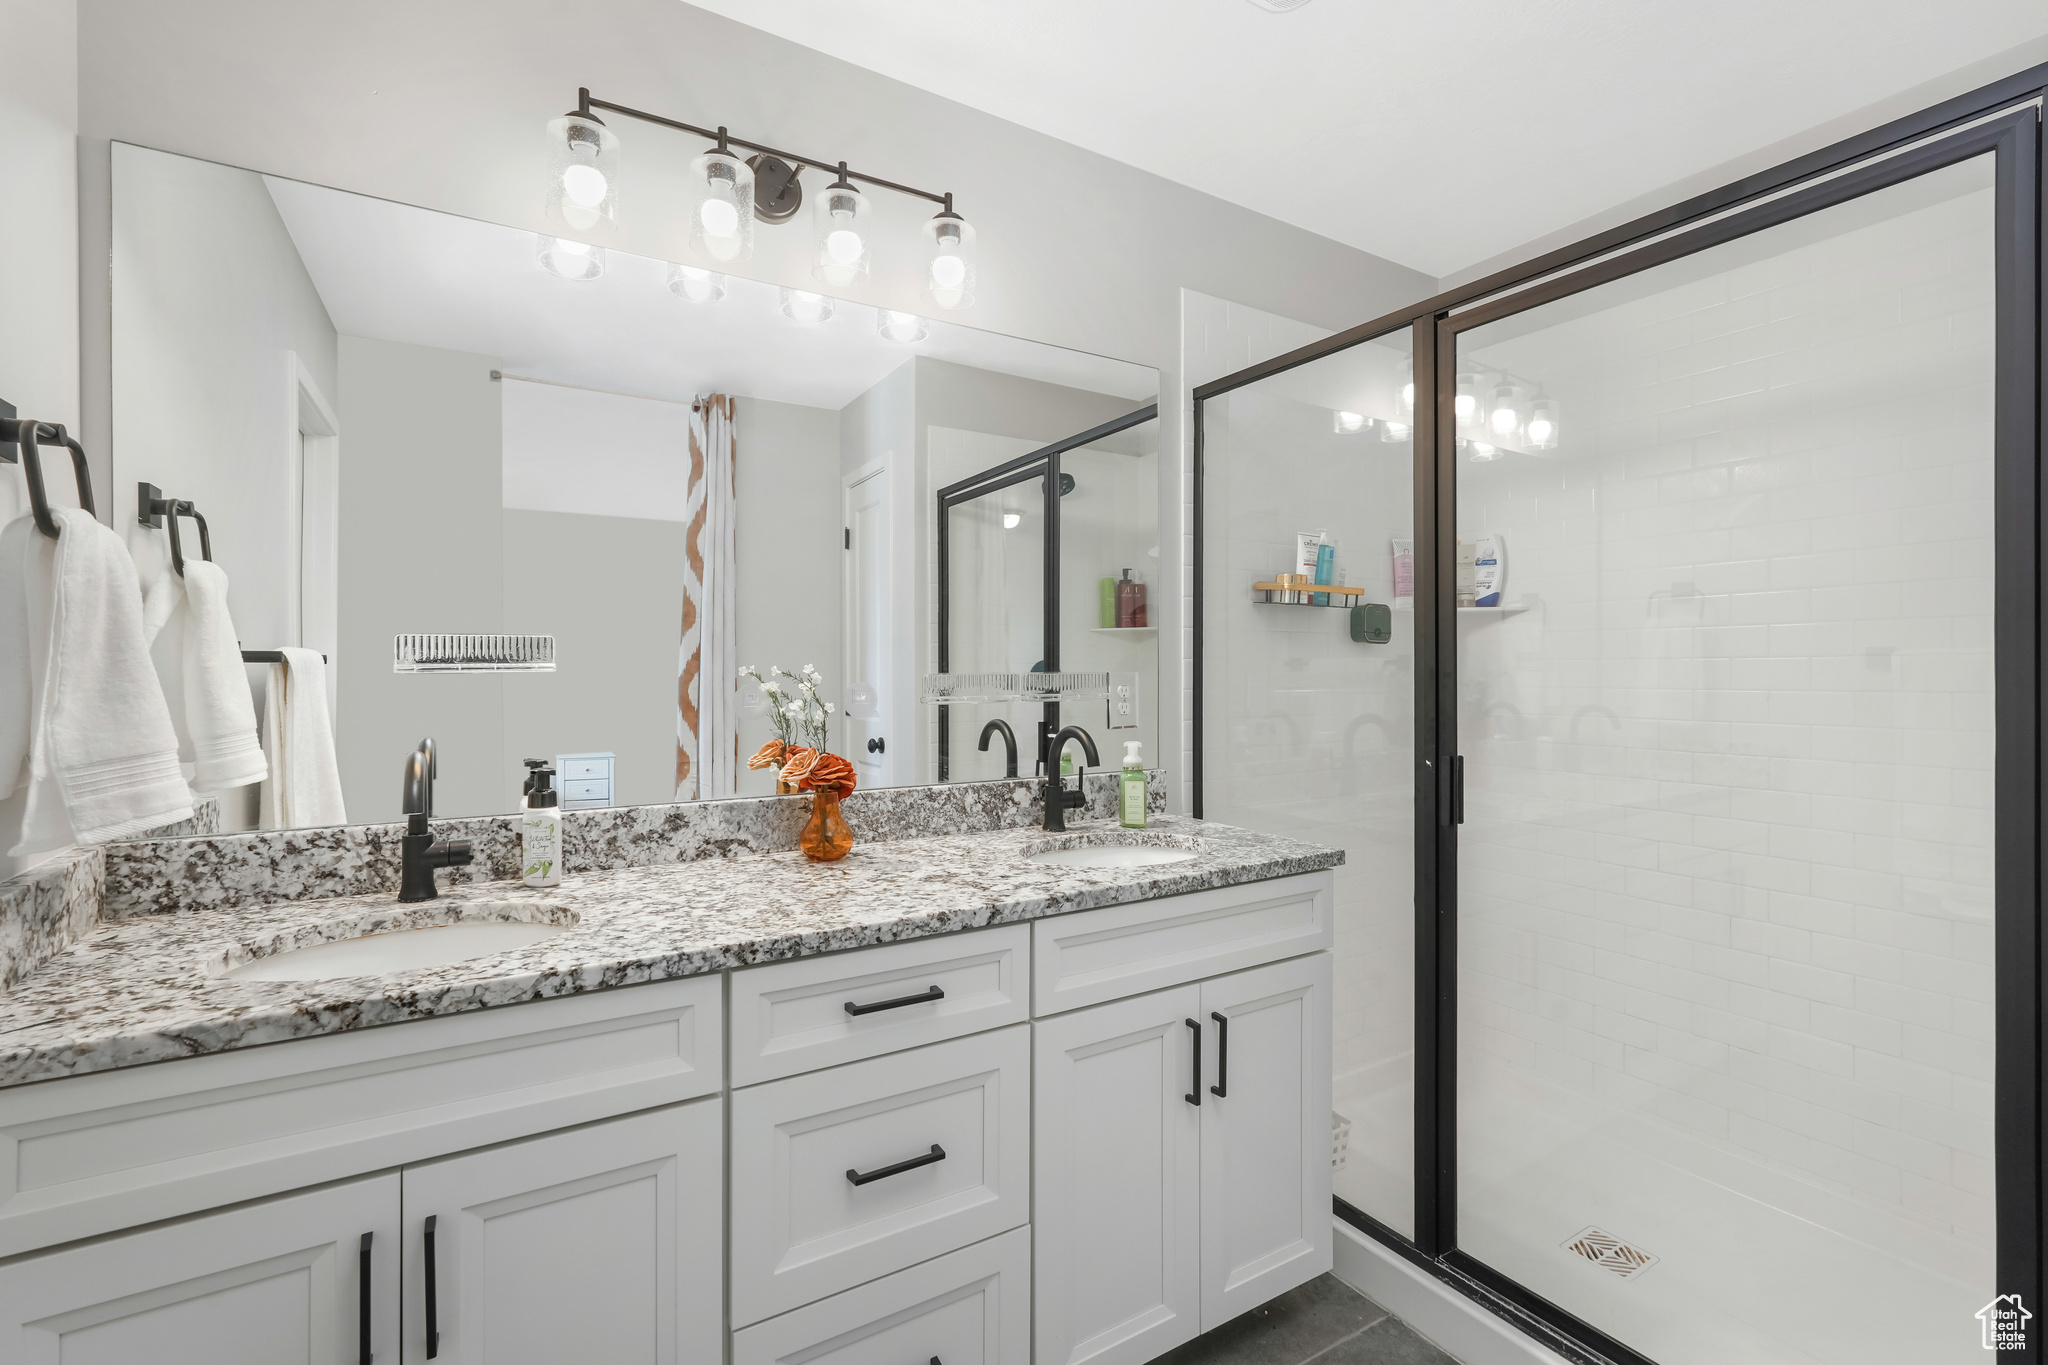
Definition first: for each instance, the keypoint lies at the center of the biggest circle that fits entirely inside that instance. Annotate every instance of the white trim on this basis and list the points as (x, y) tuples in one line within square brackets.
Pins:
[(313, 510), (1439, 1312)]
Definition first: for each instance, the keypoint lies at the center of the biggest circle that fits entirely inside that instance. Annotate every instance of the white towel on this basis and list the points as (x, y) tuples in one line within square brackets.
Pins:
[(82, 717), (304, 786), (219, 734)]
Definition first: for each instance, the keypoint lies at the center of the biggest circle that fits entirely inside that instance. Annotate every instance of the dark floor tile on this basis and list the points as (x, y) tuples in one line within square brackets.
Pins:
[(1389, 1341), (1288, 1330)]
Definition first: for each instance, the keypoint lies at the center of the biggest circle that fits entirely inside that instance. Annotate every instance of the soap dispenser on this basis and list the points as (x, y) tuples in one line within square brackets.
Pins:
[(540, 831), (1130, 803)]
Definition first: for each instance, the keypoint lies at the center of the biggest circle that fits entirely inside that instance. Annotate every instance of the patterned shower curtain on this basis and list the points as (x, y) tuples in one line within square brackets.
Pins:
[(707, 691)]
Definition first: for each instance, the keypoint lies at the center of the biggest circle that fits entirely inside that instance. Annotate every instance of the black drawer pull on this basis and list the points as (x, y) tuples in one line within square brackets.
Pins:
[(937, 1153), (363, 1303), (433, 1308), (1194, 1095), (926, 998), (1222, 1056)]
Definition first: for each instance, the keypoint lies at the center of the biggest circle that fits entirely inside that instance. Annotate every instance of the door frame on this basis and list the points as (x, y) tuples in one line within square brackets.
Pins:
[(313, 488), (882, 466), (2002, 120)]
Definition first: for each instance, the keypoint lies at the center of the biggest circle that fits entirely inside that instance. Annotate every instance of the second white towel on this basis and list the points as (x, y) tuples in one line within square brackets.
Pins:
[(200, 662)]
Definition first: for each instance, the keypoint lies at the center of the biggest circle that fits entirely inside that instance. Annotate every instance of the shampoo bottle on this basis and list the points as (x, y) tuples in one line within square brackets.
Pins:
[(1130, 791), (540, 832), (1109, 604)]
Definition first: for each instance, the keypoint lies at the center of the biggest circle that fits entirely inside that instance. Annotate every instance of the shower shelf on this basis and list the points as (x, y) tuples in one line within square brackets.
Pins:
[(1286, 595)]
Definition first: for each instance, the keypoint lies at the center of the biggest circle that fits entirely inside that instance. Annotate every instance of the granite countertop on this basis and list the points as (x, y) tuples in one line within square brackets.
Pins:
[(152, 988)]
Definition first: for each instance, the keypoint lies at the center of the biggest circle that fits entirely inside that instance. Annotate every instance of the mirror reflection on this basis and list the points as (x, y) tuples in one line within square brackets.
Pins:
[(544, 502)]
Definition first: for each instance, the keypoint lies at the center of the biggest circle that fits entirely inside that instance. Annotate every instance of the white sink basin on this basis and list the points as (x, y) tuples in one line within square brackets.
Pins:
[(403, 949), (1114, 850)]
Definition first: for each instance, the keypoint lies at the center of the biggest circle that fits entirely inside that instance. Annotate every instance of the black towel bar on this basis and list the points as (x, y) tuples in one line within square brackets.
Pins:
[(18, 445), (152, 507), (268, 656)]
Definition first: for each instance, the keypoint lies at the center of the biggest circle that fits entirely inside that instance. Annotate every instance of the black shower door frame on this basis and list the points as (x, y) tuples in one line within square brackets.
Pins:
[(2003, 121)]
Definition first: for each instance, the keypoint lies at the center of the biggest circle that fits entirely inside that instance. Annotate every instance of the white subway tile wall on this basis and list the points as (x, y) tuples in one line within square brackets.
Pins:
[(1726, 877)]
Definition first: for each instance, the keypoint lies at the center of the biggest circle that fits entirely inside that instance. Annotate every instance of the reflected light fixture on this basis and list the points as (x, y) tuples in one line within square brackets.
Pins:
[(1482, 451), (570, 260), (1347, 423), (1011, 520), (801, 305), (1505, 418), (904, 328), (1408, 384), (1466, 405), (583, 180), (696, 284), (1542, 428), (1394, 433)]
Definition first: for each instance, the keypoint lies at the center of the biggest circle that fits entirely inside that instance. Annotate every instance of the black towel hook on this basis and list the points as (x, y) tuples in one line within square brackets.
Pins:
[(18, 446), (152, 507)]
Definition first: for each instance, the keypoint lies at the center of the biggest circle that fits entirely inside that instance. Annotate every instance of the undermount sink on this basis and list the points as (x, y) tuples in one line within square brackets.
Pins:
[(406, 941), (1121, 848)]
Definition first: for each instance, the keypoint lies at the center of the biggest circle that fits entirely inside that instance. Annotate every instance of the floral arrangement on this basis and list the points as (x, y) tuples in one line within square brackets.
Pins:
[(799, 714)]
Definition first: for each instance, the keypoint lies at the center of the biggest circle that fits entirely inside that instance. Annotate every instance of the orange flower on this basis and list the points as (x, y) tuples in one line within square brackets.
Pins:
[(831, 775), (769, 755), (799, 763)]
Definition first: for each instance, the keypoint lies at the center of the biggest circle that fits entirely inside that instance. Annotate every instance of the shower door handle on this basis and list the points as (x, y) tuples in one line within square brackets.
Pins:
[(1458, 790)]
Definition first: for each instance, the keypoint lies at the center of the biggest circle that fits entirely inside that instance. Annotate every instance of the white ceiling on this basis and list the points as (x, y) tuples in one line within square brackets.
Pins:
[(399, 273), (1436, 134)]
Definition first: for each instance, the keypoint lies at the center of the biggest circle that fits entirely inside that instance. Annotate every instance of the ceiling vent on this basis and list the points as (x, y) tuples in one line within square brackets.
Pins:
[(1279, 6)]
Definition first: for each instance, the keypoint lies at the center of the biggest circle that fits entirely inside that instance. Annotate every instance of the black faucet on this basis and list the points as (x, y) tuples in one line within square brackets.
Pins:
[(1057, 797), (421, 855), (1002, 727)]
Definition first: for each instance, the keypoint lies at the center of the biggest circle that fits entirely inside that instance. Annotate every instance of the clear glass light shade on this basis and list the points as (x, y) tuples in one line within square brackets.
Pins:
[(949, 275), (840, 221), (583, 174), (1503, 417), (1347, 423), (570, 260), (722, 207), (1541, 432), (900, 327), (1466, 405), (1394, 433), (801, 305), (695, 283)]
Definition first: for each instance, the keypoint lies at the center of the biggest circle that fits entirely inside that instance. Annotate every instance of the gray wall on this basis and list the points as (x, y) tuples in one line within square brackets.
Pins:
[(421, 550)]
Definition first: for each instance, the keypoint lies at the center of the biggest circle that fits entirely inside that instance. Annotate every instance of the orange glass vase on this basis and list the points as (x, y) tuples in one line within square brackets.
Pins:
[(826, 837)]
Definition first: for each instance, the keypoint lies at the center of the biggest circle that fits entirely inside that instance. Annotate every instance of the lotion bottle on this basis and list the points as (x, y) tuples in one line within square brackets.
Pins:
[(540, 832), (1130, 791)]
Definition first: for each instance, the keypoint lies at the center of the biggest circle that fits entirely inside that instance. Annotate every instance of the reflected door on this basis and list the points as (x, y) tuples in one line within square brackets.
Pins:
[(993, 621), (1724, 696), (867, 630)]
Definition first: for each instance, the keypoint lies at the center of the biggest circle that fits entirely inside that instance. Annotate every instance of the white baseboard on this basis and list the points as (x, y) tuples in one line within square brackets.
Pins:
[(1431, 1307)]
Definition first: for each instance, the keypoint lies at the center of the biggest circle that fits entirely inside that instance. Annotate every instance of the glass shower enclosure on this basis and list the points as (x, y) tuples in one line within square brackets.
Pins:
[(1688, 971)]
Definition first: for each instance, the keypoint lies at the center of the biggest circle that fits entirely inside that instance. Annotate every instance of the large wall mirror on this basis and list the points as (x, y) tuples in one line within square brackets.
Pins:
[(397, 422)]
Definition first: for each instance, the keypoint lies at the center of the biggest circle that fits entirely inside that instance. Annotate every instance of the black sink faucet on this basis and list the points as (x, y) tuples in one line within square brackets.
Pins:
[(1002, 727), (420, 852), (1057, 797)]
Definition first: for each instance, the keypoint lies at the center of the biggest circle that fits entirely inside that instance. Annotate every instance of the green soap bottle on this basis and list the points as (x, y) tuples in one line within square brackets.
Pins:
[(1130, 790), (1109, 604)]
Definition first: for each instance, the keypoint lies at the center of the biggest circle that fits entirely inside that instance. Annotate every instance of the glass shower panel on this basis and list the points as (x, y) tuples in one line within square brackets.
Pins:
[(1725, 878), (995, 620), (1309, 722), (1109, 526)]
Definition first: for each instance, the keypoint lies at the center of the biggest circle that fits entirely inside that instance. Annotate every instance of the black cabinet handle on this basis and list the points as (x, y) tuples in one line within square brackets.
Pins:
[(927, 997), (433, 1307), (1222, 1056), (363, 1302), (1194, 1095), (937, 1153)]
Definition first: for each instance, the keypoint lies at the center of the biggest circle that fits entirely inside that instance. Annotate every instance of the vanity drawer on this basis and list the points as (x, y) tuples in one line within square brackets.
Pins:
[(970, 1307), (112, 1150), (1097, 955), (793, 1016), (801, 1227)]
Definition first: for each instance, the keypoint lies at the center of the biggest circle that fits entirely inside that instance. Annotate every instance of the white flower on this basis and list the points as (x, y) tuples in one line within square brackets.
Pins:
[(772, 689), (829, 708)]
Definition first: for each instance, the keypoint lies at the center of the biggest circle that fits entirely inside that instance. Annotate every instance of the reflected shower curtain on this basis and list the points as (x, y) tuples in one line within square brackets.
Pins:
[(707, 693)]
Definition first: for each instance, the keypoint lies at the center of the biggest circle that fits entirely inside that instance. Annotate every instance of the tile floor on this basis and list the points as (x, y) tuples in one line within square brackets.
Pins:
[(1324, 1321)]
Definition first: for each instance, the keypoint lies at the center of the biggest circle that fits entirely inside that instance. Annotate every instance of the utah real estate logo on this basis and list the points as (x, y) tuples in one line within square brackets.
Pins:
[(2005, 1323)]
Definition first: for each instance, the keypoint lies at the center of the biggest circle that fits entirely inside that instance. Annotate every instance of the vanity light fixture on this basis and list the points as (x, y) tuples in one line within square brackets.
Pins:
[(801, 305), (696, 284), (903, 328), (583, 162), (570, 259), (1349, 423)]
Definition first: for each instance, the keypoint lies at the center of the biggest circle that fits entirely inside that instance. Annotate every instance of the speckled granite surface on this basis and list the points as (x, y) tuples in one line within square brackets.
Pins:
[(149, 988), (166, 876), (43, 910)]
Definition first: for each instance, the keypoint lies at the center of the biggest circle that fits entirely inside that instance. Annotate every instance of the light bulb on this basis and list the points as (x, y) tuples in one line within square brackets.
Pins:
[(1408, 397), (719, 215), (1466, 405), (1011, 520), (843, 244), (1542, 430), (1347, 422), (585, 185), (948, 271)]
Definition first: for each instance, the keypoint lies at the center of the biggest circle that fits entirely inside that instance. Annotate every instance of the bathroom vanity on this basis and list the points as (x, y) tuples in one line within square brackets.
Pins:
[(973, 1098)]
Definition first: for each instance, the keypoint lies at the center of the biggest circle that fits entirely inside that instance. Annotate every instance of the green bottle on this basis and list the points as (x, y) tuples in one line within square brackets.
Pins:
[(1109, 604), (1130, 789)]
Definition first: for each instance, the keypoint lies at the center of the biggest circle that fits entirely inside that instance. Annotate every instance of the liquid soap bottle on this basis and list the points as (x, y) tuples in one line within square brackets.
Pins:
[(540, 832), (1130, 791)]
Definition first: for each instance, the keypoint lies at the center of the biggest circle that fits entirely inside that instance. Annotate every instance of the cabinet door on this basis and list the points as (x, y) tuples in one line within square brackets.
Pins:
[(275, 1283), (599, 1243), (1265, 1134), (1116, 1230)]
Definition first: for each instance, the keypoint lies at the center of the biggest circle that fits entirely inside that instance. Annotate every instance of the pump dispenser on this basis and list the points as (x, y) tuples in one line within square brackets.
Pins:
[(1130, 803), (540, 829)]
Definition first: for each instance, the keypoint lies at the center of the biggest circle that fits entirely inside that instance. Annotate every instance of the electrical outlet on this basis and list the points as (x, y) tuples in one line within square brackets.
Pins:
[(1123, 701)]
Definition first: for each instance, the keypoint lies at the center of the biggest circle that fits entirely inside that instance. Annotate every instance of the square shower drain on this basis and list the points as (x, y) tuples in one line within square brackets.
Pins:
[(1609, 1252)]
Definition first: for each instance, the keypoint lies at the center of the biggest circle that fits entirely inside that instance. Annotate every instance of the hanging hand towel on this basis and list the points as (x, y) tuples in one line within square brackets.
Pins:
[(82, 717), (304, 786), (220, 714)]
